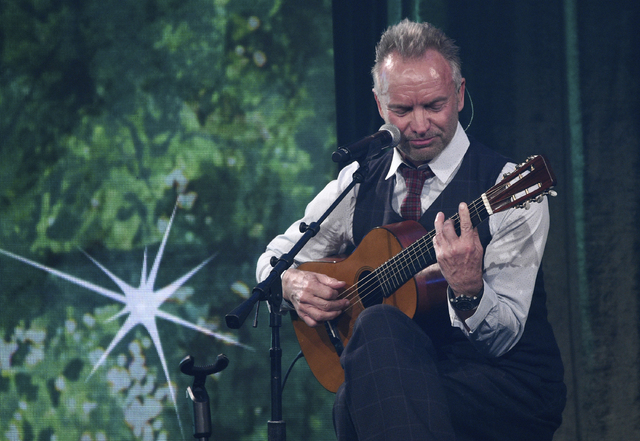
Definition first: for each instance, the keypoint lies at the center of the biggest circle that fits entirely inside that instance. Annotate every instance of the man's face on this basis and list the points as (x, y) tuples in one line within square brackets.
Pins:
[(419, 97)]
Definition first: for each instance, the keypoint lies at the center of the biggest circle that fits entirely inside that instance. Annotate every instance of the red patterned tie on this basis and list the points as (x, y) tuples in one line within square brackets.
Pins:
[(411, 208)]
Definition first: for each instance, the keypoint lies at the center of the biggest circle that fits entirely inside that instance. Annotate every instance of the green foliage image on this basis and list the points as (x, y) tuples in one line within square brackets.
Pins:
[(132, 133)]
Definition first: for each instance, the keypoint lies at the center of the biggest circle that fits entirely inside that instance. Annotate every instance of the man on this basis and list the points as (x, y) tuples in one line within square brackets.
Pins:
[(490, 373)]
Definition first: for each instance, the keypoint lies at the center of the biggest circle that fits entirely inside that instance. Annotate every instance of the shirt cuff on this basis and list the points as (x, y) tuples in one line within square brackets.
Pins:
[(488, 301)]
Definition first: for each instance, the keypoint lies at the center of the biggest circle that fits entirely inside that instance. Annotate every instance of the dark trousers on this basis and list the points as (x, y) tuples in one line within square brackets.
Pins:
[(396, 388)]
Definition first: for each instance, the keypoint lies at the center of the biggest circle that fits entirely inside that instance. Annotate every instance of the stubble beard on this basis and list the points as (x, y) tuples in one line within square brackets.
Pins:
[(422, 155)]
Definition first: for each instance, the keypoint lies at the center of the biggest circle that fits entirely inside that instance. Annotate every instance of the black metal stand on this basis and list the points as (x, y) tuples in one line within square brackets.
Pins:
[(270, 290)]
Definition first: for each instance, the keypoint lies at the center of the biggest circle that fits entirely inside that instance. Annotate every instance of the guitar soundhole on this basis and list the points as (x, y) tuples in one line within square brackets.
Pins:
[(369, 289)]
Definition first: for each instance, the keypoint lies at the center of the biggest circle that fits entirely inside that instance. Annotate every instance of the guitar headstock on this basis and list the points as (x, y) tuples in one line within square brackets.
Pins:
[(529, 182)]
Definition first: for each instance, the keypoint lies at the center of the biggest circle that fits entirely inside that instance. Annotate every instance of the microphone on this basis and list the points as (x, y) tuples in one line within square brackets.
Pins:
[(388, 136)]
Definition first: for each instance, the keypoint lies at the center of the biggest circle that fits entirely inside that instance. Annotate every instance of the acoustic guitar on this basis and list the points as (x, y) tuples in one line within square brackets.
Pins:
[(387, 267)]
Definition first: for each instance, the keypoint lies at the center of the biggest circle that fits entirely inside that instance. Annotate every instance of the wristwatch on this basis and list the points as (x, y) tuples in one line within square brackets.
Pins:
[(464, 303)]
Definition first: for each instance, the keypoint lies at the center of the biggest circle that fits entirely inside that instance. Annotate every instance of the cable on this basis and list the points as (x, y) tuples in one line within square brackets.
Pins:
[(298, 357), (472, 109)]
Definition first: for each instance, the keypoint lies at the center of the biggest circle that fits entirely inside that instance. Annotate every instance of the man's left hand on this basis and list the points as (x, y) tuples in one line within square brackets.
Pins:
[(459, 257)]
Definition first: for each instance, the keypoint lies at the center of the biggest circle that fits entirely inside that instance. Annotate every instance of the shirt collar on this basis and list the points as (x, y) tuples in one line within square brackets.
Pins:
[(446, 163)]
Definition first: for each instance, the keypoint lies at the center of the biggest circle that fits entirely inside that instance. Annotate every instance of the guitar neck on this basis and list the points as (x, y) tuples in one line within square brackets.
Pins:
[(530, 181), (398, 270)]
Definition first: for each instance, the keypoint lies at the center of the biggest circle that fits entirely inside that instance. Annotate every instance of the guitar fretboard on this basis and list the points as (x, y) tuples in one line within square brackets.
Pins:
[(398, 270), (530, 181)]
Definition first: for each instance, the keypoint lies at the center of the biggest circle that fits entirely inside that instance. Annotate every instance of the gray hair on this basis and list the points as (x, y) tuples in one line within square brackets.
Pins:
[(411, 40)]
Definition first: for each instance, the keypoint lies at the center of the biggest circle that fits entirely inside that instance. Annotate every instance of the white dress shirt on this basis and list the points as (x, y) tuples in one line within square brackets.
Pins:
[(511, 259)]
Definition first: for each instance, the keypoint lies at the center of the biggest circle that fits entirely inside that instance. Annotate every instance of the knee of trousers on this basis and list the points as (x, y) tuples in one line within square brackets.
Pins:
[(386, 325), (379, 317)]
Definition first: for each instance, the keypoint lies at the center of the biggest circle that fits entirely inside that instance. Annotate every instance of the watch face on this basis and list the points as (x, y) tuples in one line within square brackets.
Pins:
[(464, 303)]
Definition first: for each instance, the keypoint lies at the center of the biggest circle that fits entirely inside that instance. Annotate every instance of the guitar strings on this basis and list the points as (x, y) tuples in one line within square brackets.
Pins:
[(375, 281), (368, 285)]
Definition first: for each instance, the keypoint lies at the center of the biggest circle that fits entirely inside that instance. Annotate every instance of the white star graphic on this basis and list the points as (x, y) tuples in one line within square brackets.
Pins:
[(141, 303)]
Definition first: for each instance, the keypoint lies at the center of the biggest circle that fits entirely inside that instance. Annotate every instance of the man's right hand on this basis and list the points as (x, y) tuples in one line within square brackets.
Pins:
[(313, 295)]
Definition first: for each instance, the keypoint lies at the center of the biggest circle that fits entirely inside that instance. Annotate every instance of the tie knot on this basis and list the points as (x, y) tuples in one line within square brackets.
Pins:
[(415, 177)]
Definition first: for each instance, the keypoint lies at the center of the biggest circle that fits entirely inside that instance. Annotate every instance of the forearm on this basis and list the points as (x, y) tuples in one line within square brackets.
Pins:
[(333, 237)]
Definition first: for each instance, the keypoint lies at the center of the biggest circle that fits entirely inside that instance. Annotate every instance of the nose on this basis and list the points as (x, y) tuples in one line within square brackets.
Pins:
[(421, 122)]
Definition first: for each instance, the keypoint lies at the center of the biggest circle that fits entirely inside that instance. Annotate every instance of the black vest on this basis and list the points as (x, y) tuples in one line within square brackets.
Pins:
[(537, 352)]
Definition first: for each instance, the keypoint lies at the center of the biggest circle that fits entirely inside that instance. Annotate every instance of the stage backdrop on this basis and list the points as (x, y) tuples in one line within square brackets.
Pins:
[(149, 151)]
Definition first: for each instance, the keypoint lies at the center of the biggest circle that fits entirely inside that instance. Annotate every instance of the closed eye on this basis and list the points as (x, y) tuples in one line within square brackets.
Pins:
[(437, 106), (400, 111)]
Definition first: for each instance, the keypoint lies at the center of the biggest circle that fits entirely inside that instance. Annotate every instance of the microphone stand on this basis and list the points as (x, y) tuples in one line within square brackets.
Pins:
[(270, 290)]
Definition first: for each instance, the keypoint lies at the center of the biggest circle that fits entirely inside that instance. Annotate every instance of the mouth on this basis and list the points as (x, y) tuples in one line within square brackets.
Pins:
[(422, 142)]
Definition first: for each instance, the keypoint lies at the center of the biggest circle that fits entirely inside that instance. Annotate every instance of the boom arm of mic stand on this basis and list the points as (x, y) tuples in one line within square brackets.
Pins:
[(236, 318), (265, 290)]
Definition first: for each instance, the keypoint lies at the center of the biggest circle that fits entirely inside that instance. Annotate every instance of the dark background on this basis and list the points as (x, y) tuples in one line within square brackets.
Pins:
[(560, 79)]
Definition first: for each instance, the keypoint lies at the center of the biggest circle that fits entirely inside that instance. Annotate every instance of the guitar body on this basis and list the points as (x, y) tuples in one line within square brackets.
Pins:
[(416, 295)]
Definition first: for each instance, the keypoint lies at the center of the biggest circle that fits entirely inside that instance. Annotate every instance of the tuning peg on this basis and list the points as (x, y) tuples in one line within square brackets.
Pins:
[(552, 193)]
